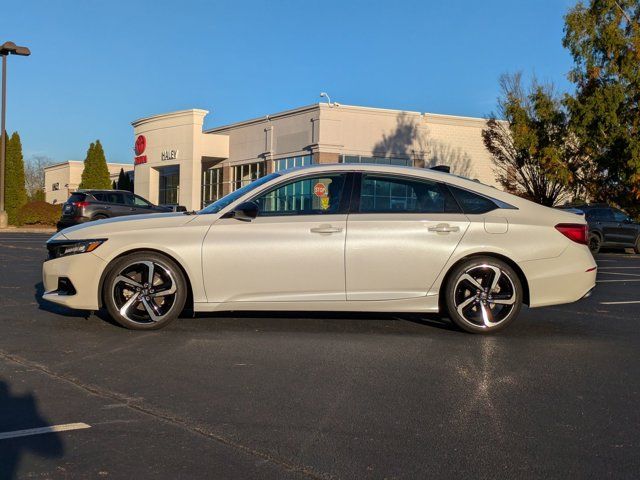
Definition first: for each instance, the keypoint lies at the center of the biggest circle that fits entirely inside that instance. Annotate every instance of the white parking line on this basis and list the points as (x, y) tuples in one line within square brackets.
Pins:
[(621, 280), (38, 431), (619, 303), (619, 273)]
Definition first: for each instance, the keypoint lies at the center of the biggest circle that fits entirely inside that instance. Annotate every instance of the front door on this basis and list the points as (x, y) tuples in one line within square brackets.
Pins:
[(292, 252), (400, 237)]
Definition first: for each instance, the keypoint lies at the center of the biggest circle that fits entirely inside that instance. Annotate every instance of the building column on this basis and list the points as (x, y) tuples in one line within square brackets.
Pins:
[(326, 157)]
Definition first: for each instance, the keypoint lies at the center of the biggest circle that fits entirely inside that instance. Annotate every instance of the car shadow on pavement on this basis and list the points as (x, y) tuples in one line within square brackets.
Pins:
[(20, 412), (325, 322), (68, 312)]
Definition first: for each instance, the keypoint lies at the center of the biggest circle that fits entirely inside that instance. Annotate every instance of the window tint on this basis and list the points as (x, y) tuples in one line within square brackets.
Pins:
[(76, 197), (601, 215), (389, 194), (472, 203), (619, 216), (310, 196), (109, 197), (140, 202)]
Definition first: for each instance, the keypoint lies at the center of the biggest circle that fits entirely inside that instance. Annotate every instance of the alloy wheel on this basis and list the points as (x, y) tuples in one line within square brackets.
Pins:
[(144, 292), (484, 296)]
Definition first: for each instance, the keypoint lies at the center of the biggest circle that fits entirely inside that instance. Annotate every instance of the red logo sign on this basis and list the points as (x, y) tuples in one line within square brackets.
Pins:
[(141, 144), (320, 190), (140, 159)]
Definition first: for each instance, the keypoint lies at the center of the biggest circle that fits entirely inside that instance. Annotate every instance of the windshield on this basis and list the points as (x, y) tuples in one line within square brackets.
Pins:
[(233, 196)]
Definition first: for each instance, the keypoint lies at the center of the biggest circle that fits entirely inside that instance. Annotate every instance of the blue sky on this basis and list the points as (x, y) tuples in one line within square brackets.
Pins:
[(96, 66)]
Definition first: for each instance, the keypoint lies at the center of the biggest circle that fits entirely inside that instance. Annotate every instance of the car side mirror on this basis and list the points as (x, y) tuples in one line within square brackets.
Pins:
[(246, 211)]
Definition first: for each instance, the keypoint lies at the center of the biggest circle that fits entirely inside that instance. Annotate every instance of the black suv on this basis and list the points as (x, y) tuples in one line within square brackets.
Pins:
[(87, 205), (609, 227)]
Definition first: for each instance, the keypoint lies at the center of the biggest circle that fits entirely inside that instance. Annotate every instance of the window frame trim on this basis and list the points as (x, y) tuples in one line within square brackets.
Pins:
[(345, 199)]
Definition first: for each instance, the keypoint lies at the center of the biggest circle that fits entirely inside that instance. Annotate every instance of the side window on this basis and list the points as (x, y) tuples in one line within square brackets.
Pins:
[(619, 216), (100, 197), (389, 194), (317, 195), (114, 198), (606, 215), (140, 202), (472, 203)]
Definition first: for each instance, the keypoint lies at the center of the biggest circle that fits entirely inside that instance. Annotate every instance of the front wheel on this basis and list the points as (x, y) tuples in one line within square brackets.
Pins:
[(144, 291), (483, 295), (636, 248)]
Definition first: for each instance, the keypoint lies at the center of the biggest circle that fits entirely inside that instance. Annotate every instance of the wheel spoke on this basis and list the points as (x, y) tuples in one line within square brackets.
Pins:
[(150, 272), (487, 316), (471, 280), (465, 304), (151, 307), (504, 301), (129, 303), (496, 277), (128, 281), (165, 291)]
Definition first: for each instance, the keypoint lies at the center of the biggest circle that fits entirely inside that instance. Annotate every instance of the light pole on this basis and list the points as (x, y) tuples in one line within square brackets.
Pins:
[(6, 49)]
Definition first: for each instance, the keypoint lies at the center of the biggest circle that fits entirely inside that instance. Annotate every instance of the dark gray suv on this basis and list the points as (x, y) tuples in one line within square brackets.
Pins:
[(609, 227), (87, 205)]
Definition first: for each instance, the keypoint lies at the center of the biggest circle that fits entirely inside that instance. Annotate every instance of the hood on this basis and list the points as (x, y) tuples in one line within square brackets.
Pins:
[(103, 228)]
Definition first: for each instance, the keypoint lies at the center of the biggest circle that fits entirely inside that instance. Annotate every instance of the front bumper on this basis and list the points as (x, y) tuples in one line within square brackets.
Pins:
[(83, 271)]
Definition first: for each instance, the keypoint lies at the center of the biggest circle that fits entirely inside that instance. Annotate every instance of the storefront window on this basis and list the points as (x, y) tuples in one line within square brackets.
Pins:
[(169, 185), (292, 162), (247, 173), (405, 162), (211, 185)]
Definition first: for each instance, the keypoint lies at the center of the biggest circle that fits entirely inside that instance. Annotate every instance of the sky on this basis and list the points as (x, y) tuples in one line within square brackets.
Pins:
[(98, 65)]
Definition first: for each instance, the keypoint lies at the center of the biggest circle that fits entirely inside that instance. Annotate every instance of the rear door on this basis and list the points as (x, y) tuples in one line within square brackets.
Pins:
[(400, 233), (113, 202)]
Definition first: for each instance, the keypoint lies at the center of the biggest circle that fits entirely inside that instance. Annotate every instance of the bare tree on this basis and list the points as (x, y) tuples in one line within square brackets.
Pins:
[(34, 173)]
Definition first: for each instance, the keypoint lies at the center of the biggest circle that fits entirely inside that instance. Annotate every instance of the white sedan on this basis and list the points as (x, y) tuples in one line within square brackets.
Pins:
[(330, 237)]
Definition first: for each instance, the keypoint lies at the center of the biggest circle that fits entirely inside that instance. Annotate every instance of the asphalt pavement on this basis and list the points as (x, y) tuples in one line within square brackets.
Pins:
[(303, 395)]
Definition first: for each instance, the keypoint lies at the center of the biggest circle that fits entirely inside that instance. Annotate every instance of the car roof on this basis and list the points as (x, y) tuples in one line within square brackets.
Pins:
[(98, 190)]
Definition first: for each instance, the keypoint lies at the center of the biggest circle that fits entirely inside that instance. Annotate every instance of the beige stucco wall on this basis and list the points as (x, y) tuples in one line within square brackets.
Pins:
[(68, 175), (181, 132)]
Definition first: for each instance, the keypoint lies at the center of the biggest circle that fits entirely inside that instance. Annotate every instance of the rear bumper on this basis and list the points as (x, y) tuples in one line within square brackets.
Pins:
[(564, 279), (83, 271)]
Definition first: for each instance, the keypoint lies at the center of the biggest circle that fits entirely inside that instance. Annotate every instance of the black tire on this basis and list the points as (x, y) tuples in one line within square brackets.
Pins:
[(636, 248), (595, 243), (137, 303), (476, 307), (99, 216)]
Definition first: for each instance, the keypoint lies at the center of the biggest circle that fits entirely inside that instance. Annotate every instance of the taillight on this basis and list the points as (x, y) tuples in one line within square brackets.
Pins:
[(577, 232), (81, 204)]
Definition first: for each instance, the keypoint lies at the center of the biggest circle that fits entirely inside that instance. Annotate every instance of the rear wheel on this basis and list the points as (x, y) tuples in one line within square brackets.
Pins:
[(636, 248), (99, 216), (594, 243), (483, 295), (144, 291)]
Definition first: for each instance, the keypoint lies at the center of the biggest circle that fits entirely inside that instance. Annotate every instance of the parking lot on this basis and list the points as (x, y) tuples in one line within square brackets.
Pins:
[(555, 395)]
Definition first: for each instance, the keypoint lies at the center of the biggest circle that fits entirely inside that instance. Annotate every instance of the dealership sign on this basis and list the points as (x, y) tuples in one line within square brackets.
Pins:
[(139, 148), (169, 154)]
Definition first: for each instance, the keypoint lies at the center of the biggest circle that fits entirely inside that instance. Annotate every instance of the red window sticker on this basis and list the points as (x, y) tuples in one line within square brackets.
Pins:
[(320, 190)]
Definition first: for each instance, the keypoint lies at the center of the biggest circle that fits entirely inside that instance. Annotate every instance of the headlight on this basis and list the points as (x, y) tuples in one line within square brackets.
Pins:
[(62, 248)]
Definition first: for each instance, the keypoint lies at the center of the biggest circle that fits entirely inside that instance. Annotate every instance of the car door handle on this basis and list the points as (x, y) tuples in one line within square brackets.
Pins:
[(443, 228), (326, 229)]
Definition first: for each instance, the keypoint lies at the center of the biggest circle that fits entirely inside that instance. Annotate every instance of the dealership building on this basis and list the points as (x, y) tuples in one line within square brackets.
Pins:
[(62, 179), (177, 162)]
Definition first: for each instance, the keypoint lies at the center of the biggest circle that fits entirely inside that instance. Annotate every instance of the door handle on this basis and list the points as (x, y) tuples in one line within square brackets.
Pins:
[(443, 228), (326, 229)]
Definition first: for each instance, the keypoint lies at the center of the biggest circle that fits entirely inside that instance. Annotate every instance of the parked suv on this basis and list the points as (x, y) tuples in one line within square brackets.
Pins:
[(609, 227), (87, 205)]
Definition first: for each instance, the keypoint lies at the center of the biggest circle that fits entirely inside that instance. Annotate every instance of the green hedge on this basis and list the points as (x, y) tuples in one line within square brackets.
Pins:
[(39, 213)]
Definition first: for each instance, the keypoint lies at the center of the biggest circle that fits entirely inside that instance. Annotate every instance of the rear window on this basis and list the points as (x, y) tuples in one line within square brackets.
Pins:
[(472, 203), (76, 197)]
